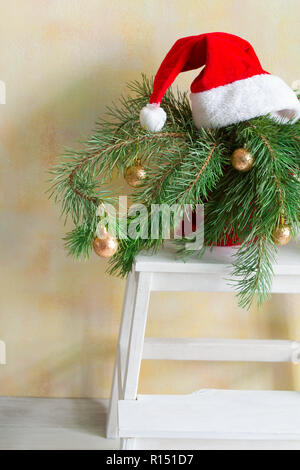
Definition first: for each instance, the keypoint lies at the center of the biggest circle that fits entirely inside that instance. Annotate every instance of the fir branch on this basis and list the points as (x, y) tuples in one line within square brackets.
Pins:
[(165, 175), (253, 271), (185, 165), (137, 140), (79, 241), (202, 168), (250, 205), (272, 153)]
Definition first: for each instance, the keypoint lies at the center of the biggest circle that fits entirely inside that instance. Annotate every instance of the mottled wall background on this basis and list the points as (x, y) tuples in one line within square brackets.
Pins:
[(63, 61)]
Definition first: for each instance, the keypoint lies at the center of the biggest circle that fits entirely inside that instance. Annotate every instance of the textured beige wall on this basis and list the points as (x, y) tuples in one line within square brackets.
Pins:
[(63, 61)]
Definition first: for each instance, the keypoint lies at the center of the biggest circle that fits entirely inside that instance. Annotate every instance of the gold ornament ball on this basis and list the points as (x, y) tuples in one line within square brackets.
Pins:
[(134, 175), (105, 247), (282, 235), (242, 160)]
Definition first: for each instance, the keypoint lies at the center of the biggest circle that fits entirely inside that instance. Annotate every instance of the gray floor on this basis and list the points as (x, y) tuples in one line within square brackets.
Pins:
[(55, 423)]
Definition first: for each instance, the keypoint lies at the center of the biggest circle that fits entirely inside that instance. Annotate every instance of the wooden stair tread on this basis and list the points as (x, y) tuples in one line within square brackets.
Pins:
[(209, 413)]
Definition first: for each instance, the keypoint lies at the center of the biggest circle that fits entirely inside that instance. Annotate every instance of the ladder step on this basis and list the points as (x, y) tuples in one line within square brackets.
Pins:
[(221, 349), (213, 414)]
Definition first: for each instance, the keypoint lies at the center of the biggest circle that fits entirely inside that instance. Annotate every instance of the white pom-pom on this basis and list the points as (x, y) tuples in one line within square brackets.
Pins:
[(153, 117)]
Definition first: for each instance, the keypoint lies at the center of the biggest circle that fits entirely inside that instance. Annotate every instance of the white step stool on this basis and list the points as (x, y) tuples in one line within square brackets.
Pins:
[(207, 414)]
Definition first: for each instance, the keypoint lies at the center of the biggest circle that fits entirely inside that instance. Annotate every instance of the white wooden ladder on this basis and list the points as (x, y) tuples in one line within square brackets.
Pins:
[(206, 414)]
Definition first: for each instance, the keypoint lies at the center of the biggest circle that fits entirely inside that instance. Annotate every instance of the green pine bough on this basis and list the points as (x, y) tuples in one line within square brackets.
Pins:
[(185, 165)]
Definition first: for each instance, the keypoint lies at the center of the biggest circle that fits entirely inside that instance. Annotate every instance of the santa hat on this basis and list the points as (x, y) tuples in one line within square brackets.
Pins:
[(232, 87)]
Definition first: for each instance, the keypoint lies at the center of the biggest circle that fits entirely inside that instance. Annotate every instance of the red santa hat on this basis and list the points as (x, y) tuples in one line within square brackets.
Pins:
[(232, 87)]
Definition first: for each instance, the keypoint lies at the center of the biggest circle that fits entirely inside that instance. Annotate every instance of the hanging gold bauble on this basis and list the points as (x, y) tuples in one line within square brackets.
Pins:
[(242, 160), (135, 174), (106, 246), (282, 234)]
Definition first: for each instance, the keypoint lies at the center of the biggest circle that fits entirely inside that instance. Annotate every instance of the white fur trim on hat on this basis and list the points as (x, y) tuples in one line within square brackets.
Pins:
[(245, 99), (153, 117)]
